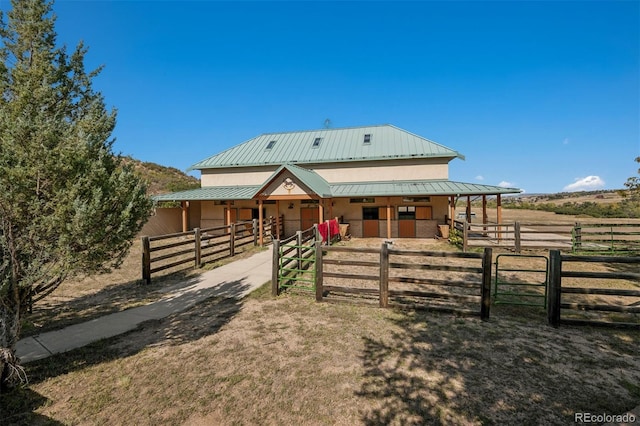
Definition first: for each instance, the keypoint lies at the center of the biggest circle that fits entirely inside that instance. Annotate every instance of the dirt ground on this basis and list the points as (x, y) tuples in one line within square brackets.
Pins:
[(291, 360)]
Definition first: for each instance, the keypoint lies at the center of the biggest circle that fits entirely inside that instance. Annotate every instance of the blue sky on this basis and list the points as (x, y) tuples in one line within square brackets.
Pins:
[(542, 95)]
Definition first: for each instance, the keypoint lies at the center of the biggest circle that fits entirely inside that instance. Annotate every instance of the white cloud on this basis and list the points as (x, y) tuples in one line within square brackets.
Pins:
[(479, 177), (505, 184), (585, 184)]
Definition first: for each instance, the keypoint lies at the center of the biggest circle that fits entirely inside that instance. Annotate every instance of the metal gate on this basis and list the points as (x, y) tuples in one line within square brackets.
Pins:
[(296, 262), (526, 286)]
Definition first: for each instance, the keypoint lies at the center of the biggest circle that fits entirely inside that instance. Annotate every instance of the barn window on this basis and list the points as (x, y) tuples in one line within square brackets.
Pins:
[(271, 144), (316, 142), (367, 139)]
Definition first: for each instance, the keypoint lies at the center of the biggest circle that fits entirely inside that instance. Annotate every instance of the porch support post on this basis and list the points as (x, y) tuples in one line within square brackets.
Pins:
[(320, 211), (499, 214), (452, 210), (228, 212), (278, 219), (389, 217), (185, 215), (468, 208), (260, 223), (485, 219)]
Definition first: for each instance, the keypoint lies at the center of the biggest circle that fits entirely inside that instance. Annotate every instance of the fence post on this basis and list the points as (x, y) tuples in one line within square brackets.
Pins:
[(465, 237), (319, 277), (146, 260), (255, 232), (275, 268), (485, 306), (516, 234), (555, 285), (232, 239), (299, 248), (198, 247), (577, 237), (384, 276)]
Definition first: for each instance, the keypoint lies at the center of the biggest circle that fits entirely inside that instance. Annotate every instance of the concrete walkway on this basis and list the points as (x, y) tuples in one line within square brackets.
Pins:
[(233, 280)]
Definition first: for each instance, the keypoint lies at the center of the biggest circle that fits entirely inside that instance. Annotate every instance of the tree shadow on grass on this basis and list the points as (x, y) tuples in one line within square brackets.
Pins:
[(442, 370), (206, 312), (18, 408)]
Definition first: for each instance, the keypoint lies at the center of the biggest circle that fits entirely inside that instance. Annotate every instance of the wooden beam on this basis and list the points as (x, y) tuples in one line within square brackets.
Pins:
[(452, 210), (389, 217), (228, 213), (468, 208), (185, 215), (260, 223), (485, 218), (499, 214), (320, 212), (278, 219), (288, 197)]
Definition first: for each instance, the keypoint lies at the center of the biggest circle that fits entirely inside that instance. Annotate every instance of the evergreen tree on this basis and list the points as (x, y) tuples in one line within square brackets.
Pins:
[(68, 206)]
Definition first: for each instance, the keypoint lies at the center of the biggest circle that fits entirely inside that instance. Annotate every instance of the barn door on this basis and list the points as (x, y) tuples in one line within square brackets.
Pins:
[(407, 221), (370, 218), (309, 216)]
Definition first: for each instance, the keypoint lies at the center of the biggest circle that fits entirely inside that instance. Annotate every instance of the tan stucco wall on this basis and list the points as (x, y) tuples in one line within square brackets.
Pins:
[(335, 172), (382, 171), (236, 176), (163, 221)]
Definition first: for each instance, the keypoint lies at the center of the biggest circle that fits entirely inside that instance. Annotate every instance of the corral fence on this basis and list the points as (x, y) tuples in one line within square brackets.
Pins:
[(569, 292), (574, 237), (199, 246), (446, 281), (605, 294)]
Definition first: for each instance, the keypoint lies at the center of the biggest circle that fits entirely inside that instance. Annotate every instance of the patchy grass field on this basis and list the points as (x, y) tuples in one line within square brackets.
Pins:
[(290, 360)]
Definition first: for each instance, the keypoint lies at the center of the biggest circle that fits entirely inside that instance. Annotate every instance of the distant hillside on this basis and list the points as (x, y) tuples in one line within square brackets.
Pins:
[(162, 179), (601, 196), (601, 204)]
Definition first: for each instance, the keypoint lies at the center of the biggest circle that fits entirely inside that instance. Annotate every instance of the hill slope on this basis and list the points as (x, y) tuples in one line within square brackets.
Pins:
[(162, 179)]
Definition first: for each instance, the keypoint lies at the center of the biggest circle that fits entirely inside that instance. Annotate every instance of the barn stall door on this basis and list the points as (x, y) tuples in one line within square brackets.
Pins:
[(309, 216)]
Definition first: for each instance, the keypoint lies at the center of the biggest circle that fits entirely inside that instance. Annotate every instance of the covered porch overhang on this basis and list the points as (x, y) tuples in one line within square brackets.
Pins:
[(292, 183)]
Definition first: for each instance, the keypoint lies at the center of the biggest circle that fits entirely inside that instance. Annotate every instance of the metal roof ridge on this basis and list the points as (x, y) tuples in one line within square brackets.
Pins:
[(326, 129)]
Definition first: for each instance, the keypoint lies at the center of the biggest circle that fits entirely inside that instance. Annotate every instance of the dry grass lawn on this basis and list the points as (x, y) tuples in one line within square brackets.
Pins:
[(290, 360)]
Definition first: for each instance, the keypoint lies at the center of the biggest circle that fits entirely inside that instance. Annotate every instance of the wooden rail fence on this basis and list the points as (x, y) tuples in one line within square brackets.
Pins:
[(558, 294), (392, 285), (574, 237), (200, 245), (611, 238)]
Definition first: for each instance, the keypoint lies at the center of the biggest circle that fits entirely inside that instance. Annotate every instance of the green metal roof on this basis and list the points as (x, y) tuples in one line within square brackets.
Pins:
[(311, 179), (245, 192), (360, 189), (417, 187), (328, 146)]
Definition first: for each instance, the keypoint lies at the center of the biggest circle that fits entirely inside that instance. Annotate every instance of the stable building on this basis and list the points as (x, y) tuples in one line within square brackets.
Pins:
[(381, 180)]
